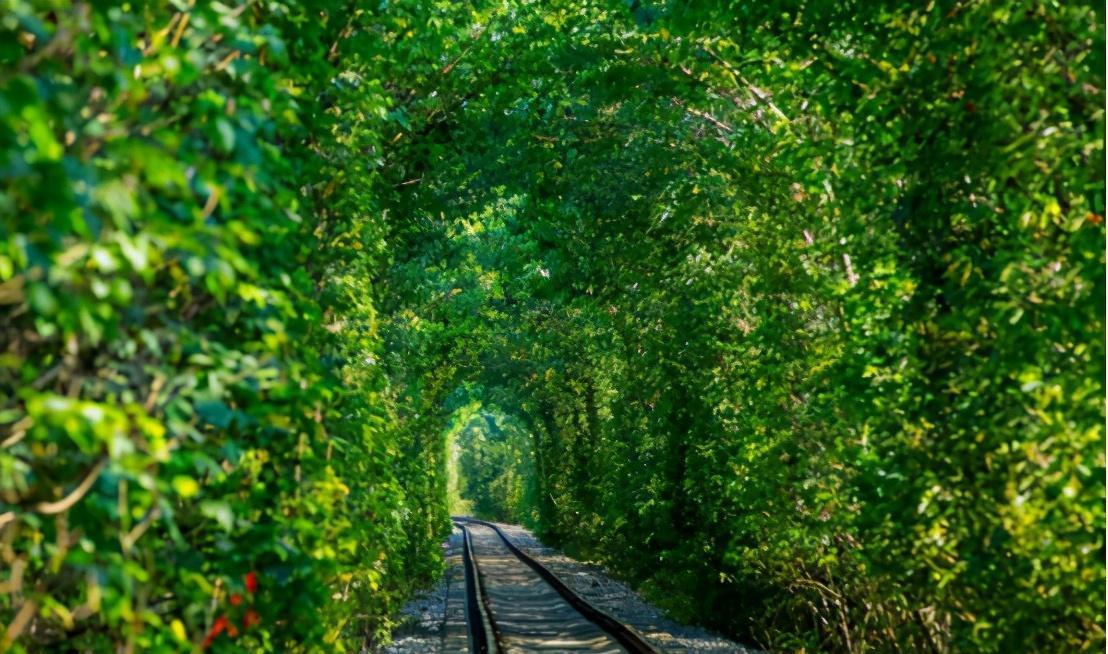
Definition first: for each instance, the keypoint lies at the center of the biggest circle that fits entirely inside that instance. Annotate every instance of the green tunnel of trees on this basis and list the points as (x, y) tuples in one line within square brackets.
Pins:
[(790, 313)]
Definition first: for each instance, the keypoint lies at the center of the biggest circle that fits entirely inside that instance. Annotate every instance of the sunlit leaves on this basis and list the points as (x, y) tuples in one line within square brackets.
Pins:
[(184, 207), (803, 301)]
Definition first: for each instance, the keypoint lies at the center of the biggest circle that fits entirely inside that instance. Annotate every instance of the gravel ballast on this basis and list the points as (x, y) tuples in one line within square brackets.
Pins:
[(434, 622)]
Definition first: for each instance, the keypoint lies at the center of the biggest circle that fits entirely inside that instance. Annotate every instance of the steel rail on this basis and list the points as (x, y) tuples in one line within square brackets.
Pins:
[(624, 635), (474, 620)]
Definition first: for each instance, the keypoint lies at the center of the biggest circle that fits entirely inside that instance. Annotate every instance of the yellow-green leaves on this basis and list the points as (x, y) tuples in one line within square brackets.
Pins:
[(185, 487), (172, 408)]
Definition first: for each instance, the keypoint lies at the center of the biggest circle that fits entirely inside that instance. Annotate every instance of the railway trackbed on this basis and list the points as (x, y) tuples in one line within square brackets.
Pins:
[(529, 615), (515, 605)]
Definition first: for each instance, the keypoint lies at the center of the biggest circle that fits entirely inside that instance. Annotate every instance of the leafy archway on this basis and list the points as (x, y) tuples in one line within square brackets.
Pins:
[(795, 308)]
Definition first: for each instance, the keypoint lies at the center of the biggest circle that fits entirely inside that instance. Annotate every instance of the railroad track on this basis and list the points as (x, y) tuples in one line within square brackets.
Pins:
[(514, 605)]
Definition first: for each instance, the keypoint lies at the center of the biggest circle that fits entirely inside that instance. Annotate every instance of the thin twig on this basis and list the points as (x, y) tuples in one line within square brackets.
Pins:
[(19, 623), (758, 93), (49, 508)]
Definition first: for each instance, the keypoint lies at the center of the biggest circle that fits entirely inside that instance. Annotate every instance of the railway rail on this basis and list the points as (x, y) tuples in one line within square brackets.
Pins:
[(515, 605)]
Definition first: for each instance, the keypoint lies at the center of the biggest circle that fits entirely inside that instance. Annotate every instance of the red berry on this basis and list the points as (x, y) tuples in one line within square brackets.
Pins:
[(218, 627)]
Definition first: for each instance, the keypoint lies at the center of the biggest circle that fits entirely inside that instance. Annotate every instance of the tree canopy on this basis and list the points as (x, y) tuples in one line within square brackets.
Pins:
[(792, 313)]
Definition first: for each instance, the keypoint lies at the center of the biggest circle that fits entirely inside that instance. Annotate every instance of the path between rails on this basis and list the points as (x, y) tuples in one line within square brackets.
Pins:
[(435, 622)]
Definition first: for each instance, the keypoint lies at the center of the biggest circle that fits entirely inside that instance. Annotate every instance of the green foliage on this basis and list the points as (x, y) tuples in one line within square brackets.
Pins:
[(802, 303), (190, 393), (791, 308), (495, 469)]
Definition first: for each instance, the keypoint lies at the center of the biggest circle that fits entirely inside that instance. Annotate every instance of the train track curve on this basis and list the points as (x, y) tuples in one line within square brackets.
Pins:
[(515, 605)]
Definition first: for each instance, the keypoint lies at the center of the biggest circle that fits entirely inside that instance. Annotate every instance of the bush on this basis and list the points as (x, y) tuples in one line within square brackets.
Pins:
[(198, 446)]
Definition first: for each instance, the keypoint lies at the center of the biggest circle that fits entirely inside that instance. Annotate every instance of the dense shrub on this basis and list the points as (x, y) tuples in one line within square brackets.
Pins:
[(198, 446)]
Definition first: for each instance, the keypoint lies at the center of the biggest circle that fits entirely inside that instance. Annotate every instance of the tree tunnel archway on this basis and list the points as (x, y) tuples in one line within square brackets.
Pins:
[(492, 472), (800, 306), (740, 281)]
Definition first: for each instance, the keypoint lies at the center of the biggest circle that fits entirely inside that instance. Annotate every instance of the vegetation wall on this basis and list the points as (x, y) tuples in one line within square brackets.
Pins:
[(792, 313), (199, 445)]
